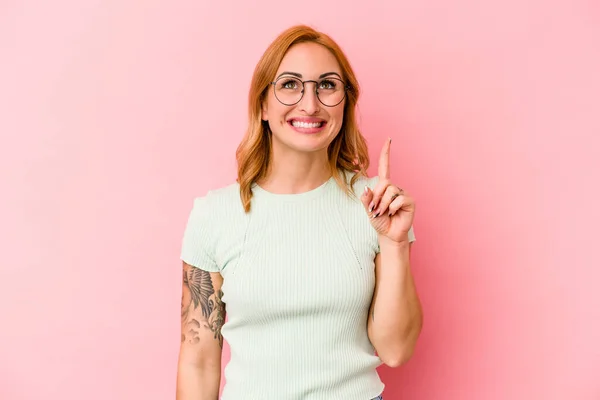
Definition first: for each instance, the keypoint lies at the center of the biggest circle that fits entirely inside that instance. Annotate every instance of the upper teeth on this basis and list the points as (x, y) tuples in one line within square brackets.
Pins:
[(301, 124)]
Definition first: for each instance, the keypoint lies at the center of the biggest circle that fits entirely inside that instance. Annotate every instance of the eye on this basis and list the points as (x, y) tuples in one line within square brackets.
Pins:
[(288, 84), (327, 84)]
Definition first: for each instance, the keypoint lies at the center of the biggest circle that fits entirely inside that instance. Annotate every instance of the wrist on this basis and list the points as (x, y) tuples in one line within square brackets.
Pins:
[(387, 243)]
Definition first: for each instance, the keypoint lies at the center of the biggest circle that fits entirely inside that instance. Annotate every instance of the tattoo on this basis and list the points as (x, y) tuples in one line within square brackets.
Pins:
[(217, 318), (198, 291), (201, 288), (193, 331)]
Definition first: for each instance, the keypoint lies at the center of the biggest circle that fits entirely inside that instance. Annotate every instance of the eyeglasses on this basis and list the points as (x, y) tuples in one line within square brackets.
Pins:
[(289, 90)]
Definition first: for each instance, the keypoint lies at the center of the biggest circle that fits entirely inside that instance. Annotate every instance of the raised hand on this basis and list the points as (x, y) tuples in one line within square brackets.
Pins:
[(391, 210)]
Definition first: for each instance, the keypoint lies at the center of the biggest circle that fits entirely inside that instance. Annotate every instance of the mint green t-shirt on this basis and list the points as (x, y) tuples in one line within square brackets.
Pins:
[(298, 279)]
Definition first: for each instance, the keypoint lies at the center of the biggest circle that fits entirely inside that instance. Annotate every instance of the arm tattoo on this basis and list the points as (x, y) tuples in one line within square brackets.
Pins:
[(198, 292), (217, 318)]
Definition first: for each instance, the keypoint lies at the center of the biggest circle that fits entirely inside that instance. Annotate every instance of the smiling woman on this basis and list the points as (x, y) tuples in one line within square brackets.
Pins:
[(307, 255), (310, 107)]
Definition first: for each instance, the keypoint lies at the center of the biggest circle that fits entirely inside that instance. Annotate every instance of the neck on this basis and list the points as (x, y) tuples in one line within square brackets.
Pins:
[(294, 172)]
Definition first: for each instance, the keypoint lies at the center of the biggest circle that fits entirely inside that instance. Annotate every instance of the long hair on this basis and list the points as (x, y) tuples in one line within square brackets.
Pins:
[(347, 152)]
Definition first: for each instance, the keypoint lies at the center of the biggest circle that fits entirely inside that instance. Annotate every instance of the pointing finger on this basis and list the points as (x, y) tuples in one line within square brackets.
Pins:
[(384, 160)]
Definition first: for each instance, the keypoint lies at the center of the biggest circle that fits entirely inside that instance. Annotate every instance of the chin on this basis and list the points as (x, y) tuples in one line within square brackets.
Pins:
[(309, 143), (304, 141)]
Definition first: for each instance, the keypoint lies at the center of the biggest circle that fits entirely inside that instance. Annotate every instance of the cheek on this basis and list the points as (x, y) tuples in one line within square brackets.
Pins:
[(338, 115), (281, 111), (276, 111)]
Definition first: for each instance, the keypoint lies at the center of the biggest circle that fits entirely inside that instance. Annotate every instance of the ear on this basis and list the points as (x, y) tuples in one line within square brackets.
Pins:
[(263, 111)]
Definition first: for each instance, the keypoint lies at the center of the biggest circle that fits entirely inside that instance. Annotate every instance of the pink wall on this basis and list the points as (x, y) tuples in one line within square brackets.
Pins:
[(114, 115)]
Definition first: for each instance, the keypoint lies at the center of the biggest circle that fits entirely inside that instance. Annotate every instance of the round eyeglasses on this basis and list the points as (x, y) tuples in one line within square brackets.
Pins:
[(289, 90)]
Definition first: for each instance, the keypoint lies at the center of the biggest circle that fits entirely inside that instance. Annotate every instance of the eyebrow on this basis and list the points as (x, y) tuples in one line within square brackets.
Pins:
[(300, 75)]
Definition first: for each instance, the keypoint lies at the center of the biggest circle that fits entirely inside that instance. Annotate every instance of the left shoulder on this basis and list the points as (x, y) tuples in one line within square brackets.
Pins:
[(361, 181)]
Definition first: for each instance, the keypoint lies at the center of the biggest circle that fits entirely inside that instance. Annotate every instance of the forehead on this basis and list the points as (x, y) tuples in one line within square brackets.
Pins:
[(310, 60)]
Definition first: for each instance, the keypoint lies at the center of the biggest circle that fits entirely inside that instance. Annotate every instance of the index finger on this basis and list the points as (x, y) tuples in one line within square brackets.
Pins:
[(384, 160)]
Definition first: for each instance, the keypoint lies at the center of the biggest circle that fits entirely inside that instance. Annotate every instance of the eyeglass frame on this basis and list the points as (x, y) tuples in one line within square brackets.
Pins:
[(346, 88)]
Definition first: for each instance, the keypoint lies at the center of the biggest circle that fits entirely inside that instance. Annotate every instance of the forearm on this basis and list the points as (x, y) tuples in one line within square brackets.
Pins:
[(202, 316), (197, 383), (396, 317)]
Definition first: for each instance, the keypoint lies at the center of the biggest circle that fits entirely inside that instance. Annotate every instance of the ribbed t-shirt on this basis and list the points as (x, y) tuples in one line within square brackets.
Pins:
[(298, 280)]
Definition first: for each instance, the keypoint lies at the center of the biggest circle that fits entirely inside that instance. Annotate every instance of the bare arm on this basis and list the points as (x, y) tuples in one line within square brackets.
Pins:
[(202, 316), (396, 317)]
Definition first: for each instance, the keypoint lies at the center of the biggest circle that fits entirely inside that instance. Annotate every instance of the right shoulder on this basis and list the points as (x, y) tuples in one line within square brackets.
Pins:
[(221, 200), (210, 216)]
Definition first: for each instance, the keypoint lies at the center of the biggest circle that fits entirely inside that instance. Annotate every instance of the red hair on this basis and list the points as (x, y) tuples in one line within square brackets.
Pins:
[(347, 152)]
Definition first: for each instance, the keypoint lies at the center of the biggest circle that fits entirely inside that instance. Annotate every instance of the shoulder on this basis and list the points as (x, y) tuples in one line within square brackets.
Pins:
[(216, 204), (220, 197), (209, 218), (360, 182), (225, 192)]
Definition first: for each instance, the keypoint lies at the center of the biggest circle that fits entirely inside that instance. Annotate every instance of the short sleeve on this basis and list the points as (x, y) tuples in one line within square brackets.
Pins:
[(197, 247), (411, 235)]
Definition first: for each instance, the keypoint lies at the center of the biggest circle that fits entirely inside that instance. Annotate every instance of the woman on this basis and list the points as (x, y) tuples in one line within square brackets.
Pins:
[(308, 256)]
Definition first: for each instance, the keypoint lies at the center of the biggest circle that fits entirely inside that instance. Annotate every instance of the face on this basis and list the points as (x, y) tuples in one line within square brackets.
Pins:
[(308, 125)]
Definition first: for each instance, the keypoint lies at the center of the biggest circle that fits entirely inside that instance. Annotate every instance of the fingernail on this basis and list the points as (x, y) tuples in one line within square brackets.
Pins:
[(366, 189), (371, 207)]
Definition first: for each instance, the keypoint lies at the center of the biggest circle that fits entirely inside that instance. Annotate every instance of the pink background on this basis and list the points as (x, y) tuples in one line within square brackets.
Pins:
[(115, 114)]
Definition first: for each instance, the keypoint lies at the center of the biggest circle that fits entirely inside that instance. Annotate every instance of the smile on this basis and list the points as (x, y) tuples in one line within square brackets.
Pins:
[(307, 125), (302, 124)]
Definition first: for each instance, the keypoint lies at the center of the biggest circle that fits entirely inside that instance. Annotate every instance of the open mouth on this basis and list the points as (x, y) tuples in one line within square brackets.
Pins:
[(306, 125)]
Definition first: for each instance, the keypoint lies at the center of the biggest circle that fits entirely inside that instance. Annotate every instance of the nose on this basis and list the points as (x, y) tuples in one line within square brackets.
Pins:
[(309, 103)]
